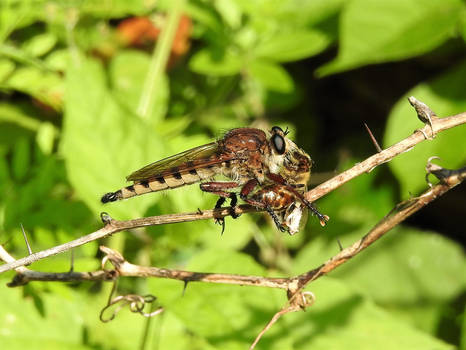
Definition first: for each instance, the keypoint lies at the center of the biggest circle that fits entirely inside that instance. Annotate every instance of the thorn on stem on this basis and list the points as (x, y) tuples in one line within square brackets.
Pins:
[(72, 261), (185, 285), (374, 141), (26, 239), (339, 245)]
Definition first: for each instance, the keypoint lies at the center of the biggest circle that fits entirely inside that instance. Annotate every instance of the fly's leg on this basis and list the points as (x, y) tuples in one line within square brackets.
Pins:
[(275, 218), (322, 217), (281, 181), (248, 188), (220, 221), (220, 189), (233, 203)]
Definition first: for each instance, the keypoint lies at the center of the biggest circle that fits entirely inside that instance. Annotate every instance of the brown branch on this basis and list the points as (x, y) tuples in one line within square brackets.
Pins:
[(449, 179), (297, 299), (113, 226), (439, 124), (25, 275), (124, 268)]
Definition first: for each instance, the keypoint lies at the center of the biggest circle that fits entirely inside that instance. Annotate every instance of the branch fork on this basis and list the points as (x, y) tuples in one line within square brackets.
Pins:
[(297, 298)]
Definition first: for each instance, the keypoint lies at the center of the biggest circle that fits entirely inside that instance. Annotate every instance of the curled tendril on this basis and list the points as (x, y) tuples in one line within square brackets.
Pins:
[(308, 298), (136, 303)]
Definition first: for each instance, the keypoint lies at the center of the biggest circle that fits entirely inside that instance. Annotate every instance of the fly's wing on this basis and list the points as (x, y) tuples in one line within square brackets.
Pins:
[(184, 161)]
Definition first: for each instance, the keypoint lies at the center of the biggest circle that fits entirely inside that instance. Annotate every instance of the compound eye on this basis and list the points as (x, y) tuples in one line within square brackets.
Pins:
[(276, 129), (278, 143)]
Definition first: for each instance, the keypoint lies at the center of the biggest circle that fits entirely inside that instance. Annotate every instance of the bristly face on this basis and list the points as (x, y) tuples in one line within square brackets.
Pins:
[(287, 159)]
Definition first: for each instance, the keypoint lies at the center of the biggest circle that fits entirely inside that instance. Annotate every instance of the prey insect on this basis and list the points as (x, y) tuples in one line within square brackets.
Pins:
[(286, 210), (267, 169)]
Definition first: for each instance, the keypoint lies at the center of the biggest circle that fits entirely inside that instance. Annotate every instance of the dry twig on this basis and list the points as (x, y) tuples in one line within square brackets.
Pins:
[(113, 226), (297, 299)]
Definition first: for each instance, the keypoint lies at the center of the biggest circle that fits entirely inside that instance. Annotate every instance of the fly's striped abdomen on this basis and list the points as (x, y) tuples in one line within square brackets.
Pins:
[(173, 179)]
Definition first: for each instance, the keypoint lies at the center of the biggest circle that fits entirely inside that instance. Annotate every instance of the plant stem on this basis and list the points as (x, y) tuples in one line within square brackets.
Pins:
[(159, 61)]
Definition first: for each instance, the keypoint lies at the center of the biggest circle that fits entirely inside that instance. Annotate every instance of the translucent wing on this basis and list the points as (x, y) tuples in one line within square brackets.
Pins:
[(184, 161)]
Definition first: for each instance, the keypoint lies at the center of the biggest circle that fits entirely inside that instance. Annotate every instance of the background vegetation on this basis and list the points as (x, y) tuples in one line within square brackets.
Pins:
[(85, 100)]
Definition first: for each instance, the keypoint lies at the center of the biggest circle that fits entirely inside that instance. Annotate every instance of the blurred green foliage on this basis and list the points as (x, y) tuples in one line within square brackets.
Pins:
[(74, 79)]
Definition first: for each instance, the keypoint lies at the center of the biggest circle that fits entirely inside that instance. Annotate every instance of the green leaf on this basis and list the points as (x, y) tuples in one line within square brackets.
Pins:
[(343, 319), (15, 14), (6, 68), (102, 141), (128, 71), (399, 268), (22, 56), (463, 332), (58, 60), (63, 319), (40, 44), (14, 114), (272, 75), (208, 62), (230, 12), (222, 314), (23, 327), (45, 137), (310, 12), (373, 31), (21, 158), (229, 317), (43, 85), (292, 46), (446, 96)]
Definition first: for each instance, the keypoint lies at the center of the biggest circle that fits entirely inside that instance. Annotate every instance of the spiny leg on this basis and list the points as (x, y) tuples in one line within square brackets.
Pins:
[(275, 218), (219, 188), (233, 203), (220, 221), (322, 218)]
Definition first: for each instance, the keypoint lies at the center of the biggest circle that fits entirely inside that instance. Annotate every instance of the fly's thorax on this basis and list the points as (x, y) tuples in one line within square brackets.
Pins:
[(235, 171)]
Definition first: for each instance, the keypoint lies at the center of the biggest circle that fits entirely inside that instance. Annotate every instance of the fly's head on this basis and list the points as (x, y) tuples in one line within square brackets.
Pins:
[(287, 159)]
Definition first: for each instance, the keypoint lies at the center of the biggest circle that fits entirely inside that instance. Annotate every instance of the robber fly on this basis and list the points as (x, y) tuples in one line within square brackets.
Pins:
[(248, 157)]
